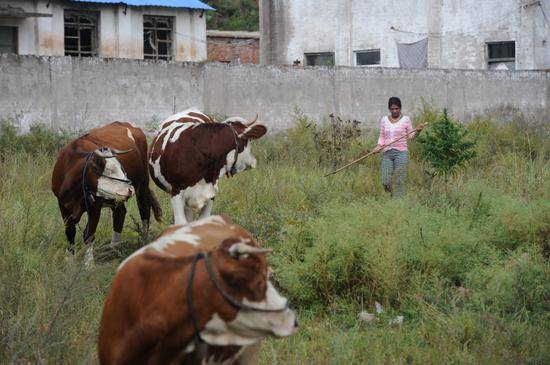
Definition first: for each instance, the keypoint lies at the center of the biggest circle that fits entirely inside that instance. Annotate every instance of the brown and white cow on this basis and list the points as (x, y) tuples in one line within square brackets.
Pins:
[(91, 172), (191, 152), (208, 278)]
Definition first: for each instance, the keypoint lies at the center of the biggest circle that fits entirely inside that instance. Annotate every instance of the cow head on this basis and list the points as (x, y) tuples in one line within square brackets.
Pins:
[(246, 131), (243, 269), (106, 176)]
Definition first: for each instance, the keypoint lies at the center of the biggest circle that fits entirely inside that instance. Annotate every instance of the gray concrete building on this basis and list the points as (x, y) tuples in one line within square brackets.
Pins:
[(136, 29), (448, 34)]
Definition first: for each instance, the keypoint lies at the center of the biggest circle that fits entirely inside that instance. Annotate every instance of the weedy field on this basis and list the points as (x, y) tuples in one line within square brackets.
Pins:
[(464, 261)]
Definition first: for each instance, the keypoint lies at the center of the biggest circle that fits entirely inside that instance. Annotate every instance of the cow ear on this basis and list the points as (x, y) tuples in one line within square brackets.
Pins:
[(254, 132)]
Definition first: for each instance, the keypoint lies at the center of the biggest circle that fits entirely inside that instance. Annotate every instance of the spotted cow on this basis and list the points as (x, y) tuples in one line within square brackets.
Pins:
[(199, 293), (191, 152)]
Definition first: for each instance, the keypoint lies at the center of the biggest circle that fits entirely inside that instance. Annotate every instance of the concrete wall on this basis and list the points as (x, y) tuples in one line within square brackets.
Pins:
[(457, 31), (120, 29), (80, 93)]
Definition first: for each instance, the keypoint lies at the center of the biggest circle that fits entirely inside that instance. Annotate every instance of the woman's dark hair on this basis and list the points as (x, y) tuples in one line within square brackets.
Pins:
[(394, 100)]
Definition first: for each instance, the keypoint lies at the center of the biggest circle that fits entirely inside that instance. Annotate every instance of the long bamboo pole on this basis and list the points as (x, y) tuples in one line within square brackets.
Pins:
[(372, 153)]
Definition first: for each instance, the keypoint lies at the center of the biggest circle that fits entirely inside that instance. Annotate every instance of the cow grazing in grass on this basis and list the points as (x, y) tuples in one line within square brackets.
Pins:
[(191, 152), (103, 168), (199, 293)]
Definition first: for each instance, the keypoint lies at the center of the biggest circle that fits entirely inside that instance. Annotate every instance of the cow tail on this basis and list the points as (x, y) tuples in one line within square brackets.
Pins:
[(155, 205)]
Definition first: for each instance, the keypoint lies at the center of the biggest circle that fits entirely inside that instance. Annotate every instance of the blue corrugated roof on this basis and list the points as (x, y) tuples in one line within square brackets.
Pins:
[(191, 4)]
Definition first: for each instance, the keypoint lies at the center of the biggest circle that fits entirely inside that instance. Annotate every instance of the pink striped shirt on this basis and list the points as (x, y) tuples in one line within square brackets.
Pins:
[(391, 131)]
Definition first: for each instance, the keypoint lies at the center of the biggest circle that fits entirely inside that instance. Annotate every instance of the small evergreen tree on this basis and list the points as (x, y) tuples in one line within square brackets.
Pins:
[(446, 146)]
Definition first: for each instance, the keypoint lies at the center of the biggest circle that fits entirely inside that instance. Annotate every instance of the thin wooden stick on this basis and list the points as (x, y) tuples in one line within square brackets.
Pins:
[(371, 153)]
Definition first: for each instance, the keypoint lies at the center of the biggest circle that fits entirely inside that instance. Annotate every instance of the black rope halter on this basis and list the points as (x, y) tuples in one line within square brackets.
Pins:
[(235, 137), (199, 342), (88, 195)]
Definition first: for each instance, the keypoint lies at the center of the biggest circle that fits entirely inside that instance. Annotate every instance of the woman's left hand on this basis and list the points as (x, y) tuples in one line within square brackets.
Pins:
[(421, 126)]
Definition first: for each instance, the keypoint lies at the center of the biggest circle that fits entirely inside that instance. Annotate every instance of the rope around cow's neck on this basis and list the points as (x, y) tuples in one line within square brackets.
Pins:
[(88, 196), (208, 264)]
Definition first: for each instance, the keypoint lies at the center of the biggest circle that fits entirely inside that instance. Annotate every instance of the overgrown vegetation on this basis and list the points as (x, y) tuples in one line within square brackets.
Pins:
[(38, 139), (233, 15), (466, 265)]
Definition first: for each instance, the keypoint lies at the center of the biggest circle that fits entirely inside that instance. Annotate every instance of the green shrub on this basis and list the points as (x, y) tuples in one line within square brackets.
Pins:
[(39, 138), (446, 146)]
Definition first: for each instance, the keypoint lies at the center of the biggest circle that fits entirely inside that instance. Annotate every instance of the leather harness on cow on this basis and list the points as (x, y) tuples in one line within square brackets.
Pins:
[(200, 344), (88, 195)]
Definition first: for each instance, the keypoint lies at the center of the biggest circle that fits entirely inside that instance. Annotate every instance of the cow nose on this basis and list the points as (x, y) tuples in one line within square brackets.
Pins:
[(295, 322)]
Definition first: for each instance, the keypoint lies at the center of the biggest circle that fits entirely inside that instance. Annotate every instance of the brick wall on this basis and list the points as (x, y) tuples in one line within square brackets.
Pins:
[(225, 46)]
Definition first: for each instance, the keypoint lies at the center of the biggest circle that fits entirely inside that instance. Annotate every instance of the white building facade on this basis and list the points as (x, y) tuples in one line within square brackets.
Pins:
[(135, 29), (448, 34)]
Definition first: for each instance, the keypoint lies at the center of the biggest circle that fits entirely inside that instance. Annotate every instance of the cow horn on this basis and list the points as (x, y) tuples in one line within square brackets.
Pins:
[(104, 152), (119, 152), (253, 121), (242, 249)]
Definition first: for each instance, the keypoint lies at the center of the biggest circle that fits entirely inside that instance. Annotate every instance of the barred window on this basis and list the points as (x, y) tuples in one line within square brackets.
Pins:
[(81, 33), (319, 59), (501, 55), (157, 37)]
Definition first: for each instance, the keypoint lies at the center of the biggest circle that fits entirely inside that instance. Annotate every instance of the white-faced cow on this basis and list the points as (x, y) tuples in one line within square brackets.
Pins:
[(103, 168), (191, 152), (198, 294)]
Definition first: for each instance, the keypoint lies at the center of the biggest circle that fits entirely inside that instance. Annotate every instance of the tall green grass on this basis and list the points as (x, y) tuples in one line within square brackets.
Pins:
[(466, 262)]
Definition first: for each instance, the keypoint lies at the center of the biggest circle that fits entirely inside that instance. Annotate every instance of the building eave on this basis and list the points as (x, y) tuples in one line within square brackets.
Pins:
[(181, 4), (15, 12), (232, 34)]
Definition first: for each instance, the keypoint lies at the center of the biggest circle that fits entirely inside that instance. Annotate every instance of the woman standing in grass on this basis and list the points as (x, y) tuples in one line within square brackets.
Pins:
[(395, 157)]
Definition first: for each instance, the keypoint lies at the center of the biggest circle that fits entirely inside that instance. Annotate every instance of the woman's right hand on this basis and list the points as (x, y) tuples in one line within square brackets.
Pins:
[(377, 149)]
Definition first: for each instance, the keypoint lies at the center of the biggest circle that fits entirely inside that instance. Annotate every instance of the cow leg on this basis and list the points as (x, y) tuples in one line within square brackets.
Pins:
[(206, 211), (189, 213), (144, 206), (178, 204), (89, 232), (70, 225), (119, 213)]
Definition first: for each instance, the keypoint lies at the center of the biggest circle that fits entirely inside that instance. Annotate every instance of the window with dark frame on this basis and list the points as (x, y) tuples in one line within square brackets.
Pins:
[(81, 33), (320, 59), (157, 37), (8, 39), (501, 55), (368, 57)]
